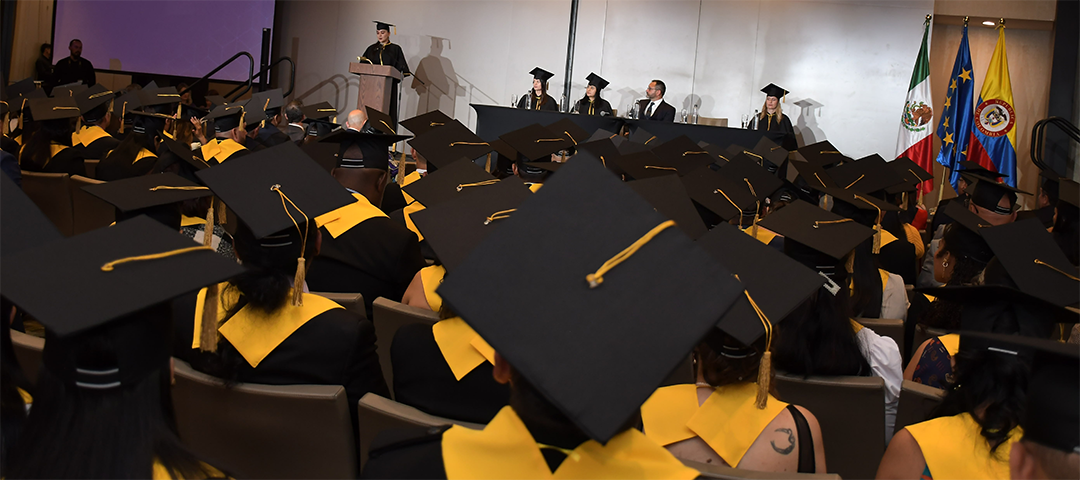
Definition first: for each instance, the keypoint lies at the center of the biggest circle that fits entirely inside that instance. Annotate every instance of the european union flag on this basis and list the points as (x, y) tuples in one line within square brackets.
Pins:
[(954, 130)]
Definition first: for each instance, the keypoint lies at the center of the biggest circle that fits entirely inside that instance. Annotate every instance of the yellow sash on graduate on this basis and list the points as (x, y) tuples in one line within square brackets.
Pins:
[(345, 218), (914, 238), (26, 397), (887, 238), (220, 150), (729, 420), (884, 280), (951, 342), (160, 472), (953, 448), (764, 235), (461, 346), (88, 135), (186, 221), (167, 134), (255, 334), (409, 210), (210, 149), (506, 449), (431, 277), (55, 148), (143, 153), (535, 187), (410, 178)]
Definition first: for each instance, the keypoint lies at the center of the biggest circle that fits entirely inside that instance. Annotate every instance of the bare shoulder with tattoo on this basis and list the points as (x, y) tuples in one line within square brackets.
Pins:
[(787, 441)]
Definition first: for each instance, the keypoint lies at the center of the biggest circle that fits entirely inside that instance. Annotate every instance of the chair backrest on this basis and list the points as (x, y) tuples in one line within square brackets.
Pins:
[(51, 193), (88, 212), (851, 412), (28, 352), (389, 317), (922, 334), (728, 473), (716, 122), (91, 167), (916, 403), (353, 302), (265, 431), (886, 327), (376, 413)]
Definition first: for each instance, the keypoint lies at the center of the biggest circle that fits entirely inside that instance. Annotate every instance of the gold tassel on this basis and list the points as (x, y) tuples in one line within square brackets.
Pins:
[(220, 212), (208, 231), (123, 111), (298, 282), (208, 337), (877, 239), (487, 165), (401, 168), (764, 376)]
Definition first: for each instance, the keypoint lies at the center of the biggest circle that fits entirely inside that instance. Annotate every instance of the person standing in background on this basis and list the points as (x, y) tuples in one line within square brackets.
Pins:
[(74, 68), (383, 52), (43, 68)]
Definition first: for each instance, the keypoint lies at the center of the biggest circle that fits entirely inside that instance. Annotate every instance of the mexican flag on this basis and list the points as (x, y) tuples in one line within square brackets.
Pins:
[(916, 124)]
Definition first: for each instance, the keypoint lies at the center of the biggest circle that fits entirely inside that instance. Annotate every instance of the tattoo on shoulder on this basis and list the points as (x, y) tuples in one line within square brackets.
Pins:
[(791, 442)]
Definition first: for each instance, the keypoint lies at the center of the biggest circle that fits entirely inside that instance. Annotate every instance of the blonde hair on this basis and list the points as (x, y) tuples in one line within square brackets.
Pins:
[(765, 109)]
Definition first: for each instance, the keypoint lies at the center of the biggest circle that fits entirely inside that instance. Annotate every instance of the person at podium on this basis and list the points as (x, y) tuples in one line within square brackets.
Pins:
[(383, 52), (591, 103), (537, 98)]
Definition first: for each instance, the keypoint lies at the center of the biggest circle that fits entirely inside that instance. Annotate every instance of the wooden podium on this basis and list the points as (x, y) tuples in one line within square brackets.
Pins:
[(376, 85)]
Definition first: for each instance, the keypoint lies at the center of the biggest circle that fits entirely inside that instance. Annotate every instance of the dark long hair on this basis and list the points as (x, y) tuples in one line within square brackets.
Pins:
[(722, 360), (866, 281), (116, 433), (38, 150), (996, 381), (543, 94), (1067, 231), (266, 282), (970, 257)]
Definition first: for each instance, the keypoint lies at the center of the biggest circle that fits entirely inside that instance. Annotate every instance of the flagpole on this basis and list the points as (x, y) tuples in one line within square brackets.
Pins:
[(941, 187)]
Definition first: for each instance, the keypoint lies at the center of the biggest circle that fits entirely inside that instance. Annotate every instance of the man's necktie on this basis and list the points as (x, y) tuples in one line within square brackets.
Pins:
[(648, 111)]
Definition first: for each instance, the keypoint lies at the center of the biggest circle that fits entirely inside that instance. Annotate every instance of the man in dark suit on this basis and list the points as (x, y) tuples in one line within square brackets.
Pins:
[(654, 107), (74, 68), (294, 114)]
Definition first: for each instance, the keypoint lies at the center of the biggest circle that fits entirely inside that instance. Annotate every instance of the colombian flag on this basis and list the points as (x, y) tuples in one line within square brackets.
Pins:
[(993, 140)]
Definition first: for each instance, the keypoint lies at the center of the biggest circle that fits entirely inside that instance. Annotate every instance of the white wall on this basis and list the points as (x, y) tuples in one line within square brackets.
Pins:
[(851, 60)]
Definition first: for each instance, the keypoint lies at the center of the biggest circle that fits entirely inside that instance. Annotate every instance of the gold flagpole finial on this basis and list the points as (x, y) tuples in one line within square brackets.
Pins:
[(965, 21)]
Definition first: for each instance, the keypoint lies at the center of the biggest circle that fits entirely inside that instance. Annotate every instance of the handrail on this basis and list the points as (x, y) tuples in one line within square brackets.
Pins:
[(251, 70), (1038, 134), (265, 71)]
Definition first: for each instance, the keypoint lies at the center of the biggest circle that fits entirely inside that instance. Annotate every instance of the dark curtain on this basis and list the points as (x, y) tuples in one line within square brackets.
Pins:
[(7, 38), (1063, 86)]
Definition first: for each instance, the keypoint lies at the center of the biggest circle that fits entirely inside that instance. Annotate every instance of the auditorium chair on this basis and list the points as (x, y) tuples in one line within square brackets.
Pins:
[(91, 167), (389, 317), (851, 412), (924, 333), (87, 211), (376, 413), (27, 350), (716, 122), (52, 194), (886, 327), (353, 302), (728, 473), (916, 403), (265, 431)]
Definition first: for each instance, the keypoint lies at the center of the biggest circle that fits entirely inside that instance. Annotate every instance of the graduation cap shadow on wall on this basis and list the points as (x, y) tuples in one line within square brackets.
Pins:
[(807, 131)]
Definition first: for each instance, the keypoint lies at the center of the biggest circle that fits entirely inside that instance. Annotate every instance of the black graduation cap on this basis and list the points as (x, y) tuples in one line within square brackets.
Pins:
[(146, 191), (542, 167), (319, 111), (981, 307), (602, 134), (363, 150), (188, 112), (68, 90), (19, 88), (216, 100), (603, 151), (970, 167), (535, 142), (1034, 261), (772, 154), (53, 108), (569, 130), (456, 226), (106, 278), (859, 200), (1069, 192), (757, 180), (683, 154), (643, 137), (866, 175), (23, 100), (25, 226), (448, 143), (597, 81), (599, 340), (270, 101), (960, 214), (988, 193), (152, 97), (256, 186), (541, 74), (771, 90), (324, 154), (823, 154), (818, 229), (126, 103), (761, 269), (720, 153), (421, 124), (228, 117), (504, 149), (911, 173), (457, 179), (643, 164), (813, 176), (384, 26), (94, 102), (668, 195), (1052, 416), (726, 196), (380, 121)]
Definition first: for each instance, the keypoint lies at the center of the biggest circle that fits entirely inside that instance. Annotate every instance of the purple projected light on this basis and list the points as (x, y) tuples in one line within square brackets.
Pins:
[(179, 37)]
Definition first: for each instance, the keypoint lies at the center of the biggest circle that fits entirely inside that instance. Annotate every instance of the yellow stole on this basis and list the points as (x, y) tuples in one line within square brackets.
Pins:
[(882, 273), (764, 235), (187, 221), (254, 333), (143, 153), (914, 238), (729, 421), (26, 397), (410, 178), (431, 277), (220, 150), (54, 148), (506, 449), (951, 342), (409, 210), (953, 448), (535, 187), (461, 346), (887, 238), (345, 218), (88, 135)]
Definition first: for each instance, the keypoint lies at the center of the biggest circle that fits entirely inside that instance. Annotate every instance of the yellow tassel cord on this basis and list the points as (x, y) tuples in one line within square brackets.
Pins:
[(819, 223), (22, 109), (64, 108), (384, 123), (732, 202), (549, 140), (436, 124), (818, 177), (1067, 274), (454, 144), (654, 167), (596, 278), (301, 271), (649, 140), (603, 161), (208, 230), (571, 137), (501, 214), (493, 181), (877, 224), (757, 208), (110, 266), (401, 168), (856, 181), (487, 163), (170, 187), (266, 105), (221, 212), (765, 366), (752, 154), (823, 152), (694, 152), (123, 111)]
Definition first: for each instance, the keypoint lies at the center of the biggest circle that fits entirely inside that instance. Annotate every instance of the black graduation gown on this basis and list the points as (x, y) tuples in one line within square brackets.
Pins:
[(1044, 214), (270, 136), (942, 218), (99, 148), (68, 160), (599, 107), (392, 198), (377, 258), (336, 347), (390, 54), (529, 101), (423, 379), (770, 124)]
